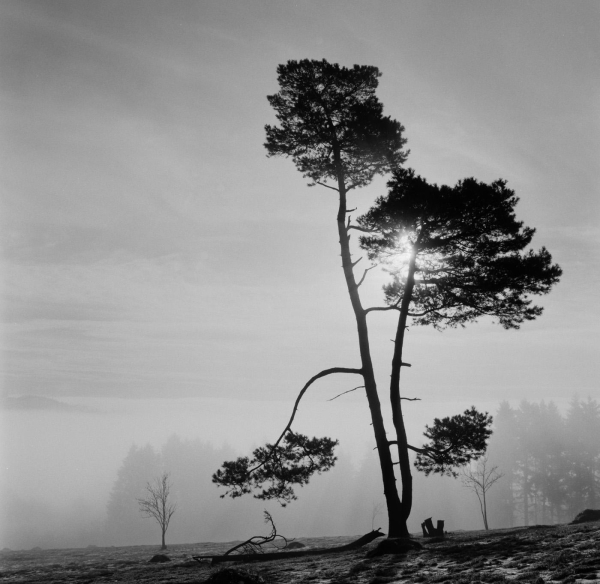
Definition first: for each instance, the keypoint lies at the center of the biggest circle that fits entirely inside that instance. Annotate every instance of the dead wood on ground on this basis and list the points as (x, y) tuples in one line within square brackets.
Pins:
[(361, 541)]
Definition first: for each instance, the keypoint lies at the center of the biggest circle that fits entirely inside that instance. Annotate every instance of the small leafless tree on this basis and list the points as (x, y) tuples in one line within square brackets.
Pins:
[(156, 504), (480, 480)]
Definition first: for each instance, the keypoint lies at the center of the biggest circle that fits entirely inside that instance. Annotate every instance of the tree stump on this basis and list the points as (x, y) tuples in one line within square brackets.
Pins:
[(430, 531)]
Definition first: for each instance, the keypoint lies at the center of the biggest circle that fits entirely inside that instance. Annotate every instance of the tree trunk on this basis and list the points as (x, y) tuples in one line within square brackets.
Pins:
[(485, 521), (396, 402), (396, 516), (164, 545)]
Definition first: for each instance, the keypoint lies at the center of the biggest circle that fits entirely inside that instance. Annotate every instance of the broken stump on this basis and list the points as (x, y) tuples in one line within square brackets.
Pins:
[(430, 531)]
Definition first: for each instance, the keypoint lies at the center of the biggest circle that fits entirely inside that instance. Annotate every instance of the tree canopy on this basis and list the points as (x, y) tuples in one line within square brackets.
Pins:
[(453, 442), (279, 467), (464, 248), (332, 123)]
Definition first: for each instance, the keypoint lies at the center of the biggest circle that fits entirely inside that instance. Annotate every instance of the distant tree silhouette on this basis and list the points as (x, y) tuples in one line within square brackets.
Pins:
[(123, 523), (198, 518), (502, 453), (582, 428), (551, 462), (462, 248), (157, 505), (480, 480)]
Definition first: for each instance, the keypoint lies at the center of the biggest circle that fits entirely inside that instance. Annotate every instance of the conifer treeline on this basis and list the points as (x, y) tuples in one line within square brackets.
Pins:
[(550, 461)]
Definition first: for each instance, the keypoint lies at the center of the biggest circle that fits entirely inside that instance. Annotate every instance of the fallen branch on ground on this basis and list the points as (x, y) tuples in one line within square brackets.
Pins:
[(361, 541), (254, 544)]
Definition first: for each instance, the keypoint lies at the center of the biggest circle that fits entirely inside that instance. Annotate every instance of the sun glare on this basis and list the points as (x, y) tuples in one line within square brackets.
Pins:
[(399, 258)]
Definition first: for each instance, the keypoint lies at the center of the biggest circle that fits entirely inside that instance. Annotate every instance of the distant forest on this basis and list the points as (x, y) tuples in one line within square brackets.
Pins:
[(550, 462)]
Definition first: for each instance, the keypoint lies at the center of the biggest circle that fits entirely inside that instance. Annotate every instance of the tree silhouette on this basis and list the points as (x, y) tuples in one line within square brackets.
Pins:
[(333, 128), (156, 504), (583, 455), (123, 522), (480, 481)]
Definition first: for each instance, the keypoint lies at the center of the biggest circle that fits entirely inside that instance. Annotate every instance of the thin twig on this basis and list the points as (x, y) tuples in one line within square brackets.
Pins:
[(344, 392)]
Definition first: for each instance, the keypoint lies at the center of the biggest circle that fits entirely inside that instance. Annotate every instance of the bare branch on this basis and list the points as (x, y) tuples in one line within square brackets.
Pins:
[(358, 260), (394, 306), (363, 229), (427, 451), (381, 308), (345, 392), (326, 186), (411, 398), (364, 275)]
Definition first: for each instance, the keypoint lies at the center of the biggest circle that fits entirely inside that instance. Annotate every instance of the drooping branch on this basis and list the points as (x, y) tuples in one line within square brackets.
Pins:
[(319, 375), (292, 460)]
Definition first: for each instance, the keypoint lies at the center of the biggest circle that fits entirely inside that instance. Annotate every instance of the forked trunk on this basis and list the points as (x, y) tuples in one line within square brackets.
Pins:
[(396, 515)]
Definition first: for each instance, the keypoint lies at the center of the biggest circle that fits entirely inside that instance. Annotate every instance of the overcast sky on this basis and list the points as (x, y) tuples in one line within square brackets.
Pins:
[(150, 249)]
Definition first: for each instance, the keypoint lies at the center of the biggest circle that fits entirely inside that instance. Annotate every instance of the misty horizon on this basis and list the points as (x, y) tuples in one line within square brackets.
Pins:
[(78, 495)]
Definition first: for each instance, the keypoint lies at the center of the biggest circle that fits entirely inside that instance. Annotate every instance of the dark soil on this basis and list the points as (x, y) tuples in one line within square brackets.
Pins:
[(558, 553)]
